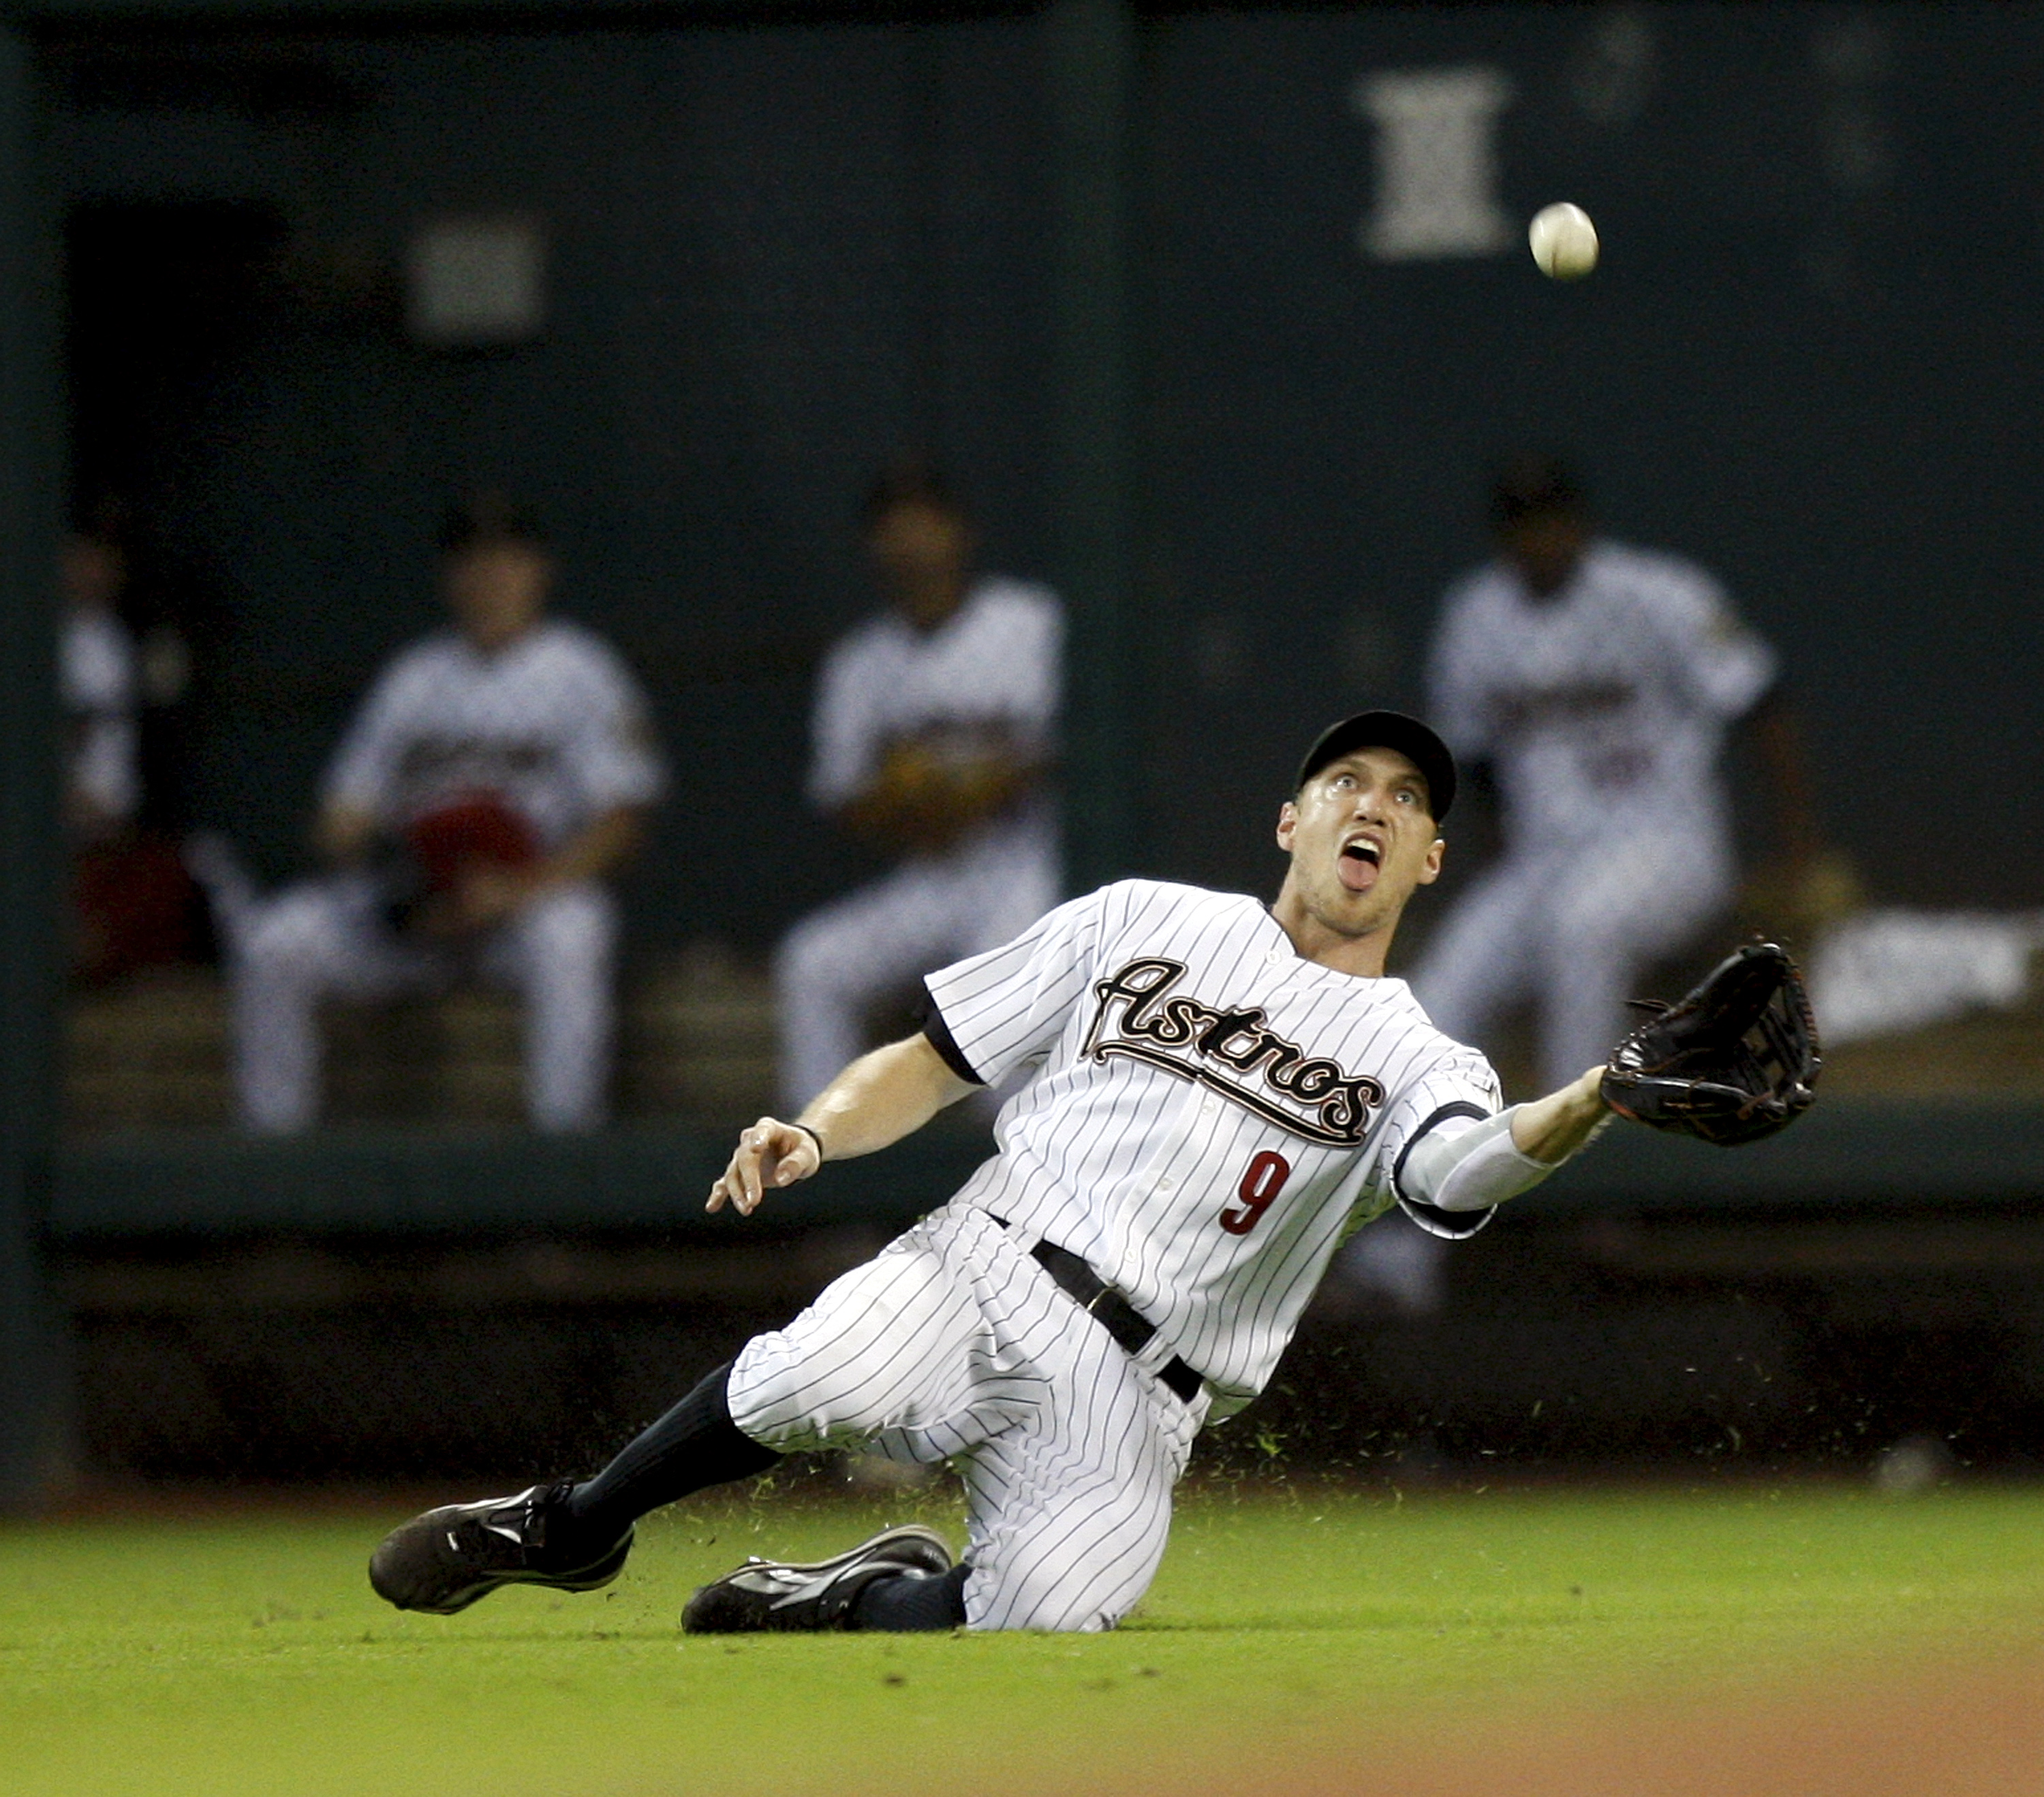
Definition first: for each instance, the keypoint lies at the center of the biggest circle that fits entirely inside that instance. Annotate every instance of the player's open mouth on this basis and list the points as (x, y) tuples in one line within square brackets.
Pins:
[(1358, 863)]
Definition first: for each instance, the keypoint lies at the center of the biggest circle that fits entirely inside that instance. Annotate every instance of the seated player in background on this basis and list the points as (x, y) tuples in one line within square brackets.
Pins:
[(934, 737), (1212, 1092), (496, 776), (1599, 682), (97, 680), (132, 903)]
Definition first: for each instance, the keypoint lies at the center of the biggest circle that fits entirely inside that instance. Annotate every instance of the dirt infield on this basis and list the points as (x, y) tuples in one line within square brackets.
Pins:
[(1971, 1733)]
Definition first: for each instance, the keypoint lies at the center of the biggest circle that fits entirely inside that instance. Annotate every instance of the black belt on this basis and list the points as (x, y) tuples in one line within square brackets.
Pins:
[(1111, 1311)]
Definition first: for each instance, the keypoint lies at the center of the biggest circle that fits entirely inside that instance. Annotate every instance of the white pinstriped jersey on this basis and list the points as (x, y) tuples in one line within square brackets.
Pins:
[(992, 668), (554, 724), (1209, 1113), (1604, 706)]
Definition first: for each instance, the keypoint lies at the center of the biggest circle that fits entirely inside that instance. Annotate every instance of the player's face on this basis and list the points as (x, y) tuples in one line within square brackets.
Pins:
[(921, 551), (1545, 548), (497, 591), (1361, 836), (93, 573)]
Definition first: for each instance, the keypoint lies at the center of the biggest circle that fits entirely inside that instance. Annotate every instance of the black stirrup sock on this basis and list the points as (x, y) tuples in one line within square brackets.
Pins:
[(694, 1445), (911, 1601)]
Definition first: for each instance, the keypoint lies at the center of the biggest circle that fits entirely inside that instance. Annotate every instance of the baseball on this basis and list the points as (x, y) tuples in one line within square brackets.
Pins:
[(1565, 242)]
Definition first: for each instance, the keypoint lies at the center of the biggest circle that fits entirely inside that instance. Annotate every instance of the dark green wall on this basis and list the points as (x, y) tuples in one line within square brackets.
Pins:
[(780, 256), (1811, 360)]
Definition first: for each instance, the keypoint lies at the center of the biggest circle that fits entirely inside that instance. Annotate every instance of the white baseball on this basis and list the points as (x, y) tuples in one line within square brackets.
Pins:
[(1565, 242)]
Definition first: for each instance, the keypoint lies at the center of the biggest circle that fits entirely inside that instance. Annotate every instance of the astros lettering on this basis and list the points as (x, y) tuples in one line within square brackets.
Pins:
[(1333, 1106)]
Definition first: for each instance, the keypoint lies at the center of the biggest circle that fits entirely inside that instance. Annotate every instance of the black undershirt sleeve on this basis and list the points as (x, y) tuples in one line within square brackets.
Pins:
[(939, 1034)]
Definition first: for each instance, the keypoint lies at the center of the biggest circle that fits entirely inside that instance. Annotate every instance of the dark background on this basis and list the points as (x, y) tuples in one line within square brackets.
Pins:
[(1810, 360), (778, 255), (781, 253)]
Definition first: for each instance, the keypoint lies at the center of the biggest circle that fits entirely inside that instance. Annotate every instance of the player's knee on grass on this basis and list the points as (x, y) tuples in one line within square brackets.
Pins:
[(1051, 1606), (1066, 1551), (1066, 1581)]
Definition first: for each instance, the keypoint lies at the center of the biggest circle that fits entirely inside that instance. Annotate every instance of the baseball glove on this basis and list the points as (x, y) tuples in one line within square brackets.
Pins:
[(1734, 1060), (419, 871)]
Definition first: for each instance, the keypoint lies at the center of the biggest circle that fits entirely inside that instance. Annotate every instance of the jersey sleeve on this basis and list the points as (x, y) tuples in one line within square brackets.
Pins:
[(994, 1011), (363, 774), (612, 750), (1459, 701), (1719, 661), (1027, 675), (1461, 1084), (846, 728)]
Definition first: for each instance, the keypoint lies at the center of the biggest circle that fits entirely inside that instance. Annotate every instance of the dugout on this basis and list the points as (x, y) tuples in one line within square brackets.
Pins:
[(230, 72), (1044, 237)]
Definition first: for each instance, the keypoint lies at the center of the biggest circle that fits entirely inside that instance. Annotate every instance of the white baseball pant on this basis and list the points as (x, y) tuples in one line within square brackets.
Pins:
[(325, 938), (1571, 928), (833, 966), (954, 1344)]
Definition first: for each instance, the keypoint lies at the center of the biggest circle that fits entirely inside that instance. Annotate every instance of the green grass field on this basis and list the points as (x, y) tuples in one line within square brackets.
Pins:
[(232, 1654)]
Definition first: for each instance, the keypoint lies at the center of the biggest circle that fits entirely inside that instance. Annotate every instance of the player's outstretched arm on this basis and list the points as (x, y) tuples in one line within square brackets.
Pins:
[(877, 1100), (1475, 1166), (1551, 1129)]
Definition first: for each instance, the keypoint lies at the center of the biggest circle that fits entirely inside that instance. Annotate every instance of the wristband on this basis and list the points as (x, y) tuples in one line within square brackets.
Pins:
[(821, 1157)]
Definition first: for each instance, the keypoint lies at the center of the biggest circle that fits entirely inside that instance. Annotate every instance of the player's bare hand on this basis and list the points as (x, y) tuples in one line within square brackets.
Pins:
[(770, 1154)]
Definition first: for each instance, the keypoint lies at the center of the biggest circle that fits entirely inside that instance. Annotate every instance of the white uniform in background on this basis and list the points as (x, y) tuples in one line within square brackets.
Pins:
[(1603, 709), (96, 679), (554, 727), (991, 671), (1205, 1115), (1881, 972)]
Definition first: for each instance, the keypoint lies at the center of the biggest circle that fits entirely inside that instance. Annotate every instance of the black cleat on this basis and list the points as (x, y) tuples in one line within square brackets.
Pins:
[(443, 1560), (774, 1594)]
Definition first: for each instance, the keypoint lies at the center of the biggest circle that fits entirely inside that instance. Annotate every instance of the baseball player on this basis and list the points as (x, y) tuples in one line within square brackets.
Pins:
[(934, 734), (1211, 1092), (96, 673), (505, 767), (1599, 680)]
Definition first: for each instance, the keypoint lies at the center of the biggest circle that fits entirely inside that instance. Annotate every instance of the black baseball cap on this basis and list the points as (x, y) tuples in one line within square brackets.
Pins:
[(1388, 730)]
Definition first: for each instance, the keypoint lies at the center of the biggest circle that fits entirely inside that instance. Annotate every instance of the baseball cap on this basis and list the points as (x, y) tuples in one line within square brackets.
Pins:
[(1388, 730)]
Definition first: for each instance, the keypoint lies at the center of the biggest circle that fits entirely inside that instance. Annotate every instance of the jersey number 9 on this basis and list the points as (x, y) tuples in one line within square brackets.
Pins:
[(1258, 1190)]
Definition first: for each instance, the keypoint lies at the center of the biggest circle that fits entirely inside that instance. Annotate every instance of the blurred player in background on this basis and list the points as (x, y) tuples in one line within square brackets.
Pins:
[(496, 776), (1599, 682), (97, 679), (132, 903), (935, 736)]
